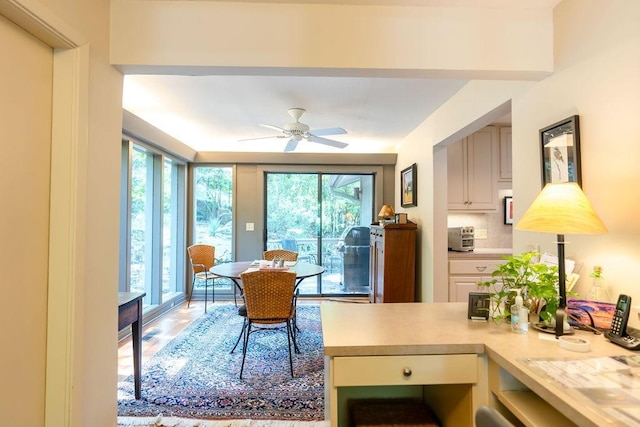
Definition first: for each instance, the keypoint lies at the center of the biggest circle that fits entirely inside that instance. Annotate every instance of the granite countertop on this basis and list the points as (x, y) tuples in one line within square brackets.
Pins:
[(482, 253)]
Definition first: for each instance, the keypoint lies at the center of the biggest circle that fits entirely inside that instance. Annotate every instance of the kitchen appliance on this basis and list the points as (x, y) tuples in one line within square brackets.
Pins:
[(461, 239)]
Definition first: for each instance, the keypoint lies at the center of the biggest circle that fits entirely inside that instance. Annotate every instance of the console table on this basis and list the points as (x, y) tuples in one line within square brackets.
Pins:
[(130, 313)]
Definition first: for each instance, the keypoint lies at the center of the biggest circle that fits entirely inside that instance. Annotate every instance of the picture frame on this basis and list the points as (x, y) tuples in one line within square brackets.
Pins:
[(409, 186), (560, 150), (478, 306), (508, 210)]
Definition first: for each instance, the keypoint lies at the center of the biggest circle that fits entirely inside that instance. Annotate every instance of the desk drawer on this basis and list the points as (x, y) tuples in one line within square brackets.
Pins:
[(389, 370)]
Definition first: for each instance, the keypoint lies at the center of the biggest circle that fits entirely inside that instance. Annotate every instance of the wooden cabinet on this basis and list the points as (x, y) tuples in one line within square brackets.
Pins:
[(472, 172), (504, 171), (392, 263), (464, 276)]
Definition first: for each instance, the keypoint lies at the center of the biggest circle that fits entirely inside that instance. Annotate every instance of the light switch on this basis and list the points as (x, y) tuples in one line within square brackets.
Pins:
[(249, 226)]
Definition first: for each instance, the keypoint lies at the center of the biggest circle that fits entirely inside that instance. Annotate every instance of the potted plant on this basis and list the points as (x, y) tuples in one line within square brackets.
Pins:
[(537, 283)]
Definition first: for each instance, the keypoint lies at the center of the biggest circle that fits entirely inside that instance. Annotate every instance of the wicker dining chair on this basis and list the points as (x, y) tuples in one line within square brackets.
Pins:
[(269, 300), (280, 253), (202, 258)]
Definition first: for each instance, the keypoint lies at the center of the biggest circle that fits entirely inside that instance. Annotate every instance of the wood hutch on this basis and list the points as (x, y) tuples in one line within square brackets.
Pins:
[(392, 262)]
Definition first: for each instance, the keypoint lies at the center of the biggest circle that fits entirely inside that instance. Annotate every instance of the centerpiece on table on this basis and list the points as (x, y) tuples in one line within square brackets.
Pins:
[(536, 282)]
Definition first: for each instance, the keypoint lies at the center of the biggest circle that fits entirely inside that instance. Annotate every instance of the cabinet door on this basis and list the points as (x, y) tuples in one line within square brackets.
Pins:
[(461, 286), (482, 176), (456, 176), (504, 173)]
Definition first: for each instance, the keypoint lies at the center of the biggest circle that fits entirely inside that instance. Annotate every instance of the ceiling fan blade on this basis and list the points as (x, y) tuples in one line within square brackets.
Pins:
[(328, 131), (263, 137), (326, 141), (291, 145), (273, 127)]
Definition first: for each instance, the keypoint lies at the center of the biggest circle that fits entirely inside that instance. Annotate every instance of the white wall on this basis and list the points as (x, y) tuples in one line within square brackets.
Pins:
[(597, 76)]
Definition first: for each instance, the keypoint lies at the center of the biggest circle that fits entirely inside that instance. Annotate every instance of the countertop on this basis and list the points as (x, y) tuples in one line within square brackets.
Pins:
[(443, 328), (483, 253)]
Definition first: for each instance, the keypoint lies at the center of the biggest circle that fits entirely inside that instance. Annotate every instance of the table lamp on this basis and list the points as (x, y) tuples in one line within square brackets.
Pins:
[(386, 212), (561, 208)]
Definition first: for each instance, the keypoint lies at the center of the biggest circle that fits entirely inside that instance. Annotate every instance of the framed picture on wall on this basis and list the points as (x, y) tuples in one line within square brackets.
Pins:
[(561, 152), (508, 210), (409, 186)]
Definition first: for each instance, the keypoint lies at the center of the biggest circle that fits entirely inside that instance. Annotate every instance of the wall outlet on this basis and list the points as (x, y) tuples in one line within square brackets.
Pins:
[(480, 234), (250, 226)]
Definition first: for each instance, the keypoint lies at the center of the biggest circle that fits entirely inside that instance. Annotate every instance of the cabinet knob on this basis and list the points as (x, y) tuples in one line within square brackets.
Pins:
[(407, 372)]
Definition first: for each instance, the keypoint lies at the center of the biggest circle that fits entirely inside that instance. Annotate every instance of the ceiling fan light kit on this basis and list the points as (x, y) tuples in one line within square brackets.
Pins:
[(297, 131)]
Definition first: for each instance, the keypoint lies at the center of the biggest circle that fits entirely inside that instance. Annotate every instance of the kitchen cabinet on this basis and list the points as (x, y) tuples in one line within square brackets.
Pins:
[(472, 172), (392, 263), (464, 275), (504, 171)]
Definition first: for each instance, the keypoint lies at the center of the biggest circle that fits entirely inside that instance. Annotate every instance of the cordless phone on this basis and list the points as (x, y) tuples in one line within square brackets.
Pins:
[(619, 333)]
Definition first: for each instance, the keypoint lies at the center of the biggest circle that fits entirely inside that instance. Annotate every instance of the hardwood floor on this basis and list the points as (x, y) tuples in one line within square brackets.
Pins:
[(156, 334)]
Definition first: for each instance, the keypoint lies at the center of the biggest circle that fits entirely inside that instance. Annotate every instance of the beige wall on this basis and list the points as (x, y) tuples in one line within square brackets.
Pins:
[(81, 293), (25, 120), (597, 77)]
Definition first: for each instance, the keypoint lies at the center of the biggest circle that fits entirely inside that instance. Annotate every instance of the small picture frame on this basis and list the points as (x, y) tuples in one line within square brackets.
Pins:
[(560, 149), (508, 210), (409, 186), (478, 306)]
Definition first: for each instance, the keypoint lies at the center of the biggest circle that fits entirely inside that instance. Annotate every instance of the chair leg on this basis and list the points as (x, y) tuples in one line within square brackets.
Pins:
[(242, 332), (193, 283), (244, 347), (289, 336), (206, 286)]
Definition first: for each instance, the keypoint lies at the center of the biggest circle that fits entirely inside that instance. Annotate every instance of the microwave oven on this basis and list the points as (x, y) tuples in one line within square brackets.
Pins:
[(461, 239)]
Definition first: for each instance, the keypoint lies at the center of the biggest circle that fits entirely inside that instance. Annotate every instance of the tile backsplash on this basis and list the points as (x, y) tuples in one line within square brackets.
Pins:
[(499, 235)]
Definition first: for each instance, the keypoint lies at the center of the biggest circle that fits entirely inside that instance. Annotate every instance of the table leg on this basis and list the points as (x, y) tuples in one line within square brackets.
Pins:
[(136, 339)]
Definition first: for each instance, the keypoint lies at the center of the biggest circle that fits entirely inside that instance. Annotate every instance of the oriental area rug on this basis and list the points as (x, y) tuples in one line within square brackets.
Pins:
[(196, 376)]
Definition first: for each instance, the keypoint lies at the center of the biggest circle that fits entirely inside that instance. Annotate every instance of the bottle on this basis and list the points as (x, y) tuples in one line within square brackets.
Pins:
[(599, 290), (519, 315)]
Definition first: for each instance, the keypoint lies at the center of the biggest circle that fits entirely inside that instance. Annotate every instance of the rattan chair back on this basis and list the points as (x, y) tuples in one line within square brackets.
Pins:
[(269, 295), (280, 254), (202, 257)]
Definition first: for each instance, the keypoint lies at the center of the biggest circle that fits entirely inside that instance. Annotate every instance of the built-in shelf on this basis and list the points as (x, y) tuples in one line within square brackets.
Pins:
[(531, 410)]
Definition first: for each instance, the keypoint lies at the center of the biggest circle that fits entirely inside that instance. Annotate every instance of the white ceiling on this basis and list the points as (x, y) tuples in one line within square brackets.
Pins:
[(212, 113)]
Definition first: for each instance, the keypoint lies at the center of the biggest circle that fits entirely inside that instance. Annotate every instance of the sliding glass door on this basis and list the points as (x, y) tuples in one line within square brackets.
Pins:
[(324, 217)]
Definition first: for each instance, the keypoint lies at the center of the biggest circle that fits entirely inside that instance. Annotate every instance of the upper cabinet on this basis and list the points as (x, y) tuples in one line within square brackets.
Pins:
[(504, 173), (472, 171)]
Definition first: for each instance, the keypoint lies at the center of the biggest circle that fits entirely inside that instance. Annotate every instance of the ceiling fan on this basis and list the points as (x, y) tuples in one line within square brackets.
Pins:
[(298, 131)]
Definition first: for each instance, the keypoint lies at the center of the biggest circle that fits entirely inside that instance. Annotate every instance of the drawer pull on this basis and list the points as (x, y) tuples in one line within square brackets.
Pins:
[(407, 372), (481, 268)]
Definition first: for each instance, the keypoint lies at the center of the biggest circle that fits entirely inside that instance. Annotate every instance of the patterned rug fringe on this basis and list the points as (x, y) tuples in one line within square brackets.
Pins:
[(161, 421)]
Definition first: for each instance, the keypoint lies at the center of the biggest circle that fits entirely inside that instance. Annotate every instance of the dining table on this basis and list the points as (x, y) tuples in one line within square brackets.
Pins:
[(233, 270)]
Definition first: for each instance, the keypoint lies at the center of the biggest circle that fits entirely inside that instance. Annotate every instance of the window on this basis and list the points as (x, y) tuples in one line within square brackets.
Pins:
[(153, 204), (213, 218)]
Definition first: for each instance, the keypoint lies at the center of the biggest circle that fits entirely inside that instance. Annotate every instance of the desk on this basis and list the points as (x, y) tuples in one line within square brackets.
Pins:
[(130, 313), (455, 363)]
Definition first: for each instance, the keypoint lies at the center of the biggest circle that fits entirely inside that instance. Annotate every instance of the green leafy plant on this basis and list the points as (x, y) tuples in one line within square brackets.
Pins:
[(537, 283)]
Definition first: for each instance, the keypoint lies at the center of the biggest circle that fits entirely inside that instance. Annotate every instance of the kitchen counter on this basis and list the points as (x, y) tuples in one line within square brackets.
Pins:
[(377, 344), (481, 253)]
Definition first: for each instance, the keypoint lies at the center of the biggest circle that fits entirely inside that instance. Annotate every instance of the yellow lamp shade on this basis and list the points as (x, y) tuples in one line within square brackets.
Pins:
[(562, 208)]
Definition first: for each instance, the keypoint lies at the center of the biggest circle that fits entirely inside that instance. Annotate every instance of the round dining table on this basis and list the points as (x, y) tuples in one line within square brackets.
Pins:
[(233, 270)]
